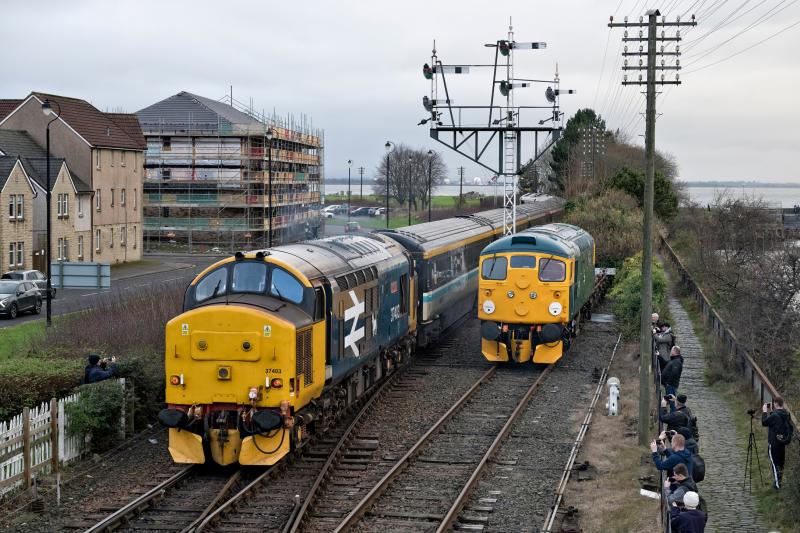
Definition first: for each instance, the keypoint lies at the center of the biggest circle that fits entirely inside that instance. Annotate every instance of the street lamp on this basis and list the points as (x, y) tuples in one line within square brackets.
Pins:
[(430, 168), (48, 111), (410, 168), (349, 166), (269, 135), (389, 149)]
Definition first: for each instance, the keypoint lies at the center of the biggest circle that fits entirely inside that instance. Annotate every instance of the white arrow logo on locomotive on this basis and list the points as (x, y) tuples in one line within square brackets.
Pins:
[(356, 333)]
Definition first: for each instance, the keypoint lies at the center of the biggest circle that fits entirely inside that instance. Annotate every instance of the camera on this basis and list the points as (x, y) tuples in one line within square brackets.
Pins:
[(769, 406), (751, 412), (668, 397)]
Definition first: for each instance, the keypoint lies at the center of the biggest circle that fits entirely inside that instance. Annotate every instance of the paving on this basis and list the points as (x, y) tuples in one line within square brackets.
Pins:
[(730, 507)]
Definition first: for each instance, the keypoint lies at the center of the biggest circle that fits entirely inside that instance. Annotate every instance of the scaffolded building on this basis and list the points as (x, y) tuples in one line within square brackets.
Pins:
[(206, 176)]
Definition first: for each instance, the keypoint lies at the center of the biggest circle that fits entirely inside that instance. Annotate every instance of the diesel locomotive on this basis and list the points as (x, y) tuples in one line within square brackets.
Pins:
[(273, 345), (532, 286)]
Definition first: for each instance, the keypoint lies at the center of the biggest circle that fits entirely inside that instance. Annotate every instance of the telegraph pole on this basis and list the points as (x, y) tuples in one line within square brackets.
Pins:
[(361, 173), (652, 25), (460, 187)]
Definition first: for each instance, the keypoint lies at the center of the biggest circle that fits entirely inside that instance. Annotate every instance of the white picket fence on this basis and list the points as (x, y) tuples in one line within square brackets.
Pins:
[(47, 428)]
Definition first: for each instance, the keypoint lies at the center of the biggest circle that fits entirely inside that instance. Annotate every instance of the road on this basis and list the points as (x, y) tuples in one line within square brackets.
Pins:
[(181, 269)]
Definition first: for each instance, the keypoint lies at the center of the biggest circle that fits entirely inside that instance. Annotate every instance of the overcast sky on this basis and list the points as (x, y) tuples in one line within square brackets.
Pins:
[(355, 68)]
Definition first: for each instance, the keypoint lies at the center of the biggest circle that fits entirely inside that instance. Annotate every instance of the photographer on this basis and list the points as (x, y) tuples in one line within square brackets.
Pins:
[(678, 418), (679, 484), (99, 369), (780, 434), (674, 457), (671, 375), (689, 519), (664, 340)]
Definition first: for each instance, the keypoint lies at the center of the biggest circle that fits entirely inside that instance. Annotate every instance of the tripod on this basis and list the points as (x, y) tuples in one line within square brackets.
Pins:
[(752, 450)]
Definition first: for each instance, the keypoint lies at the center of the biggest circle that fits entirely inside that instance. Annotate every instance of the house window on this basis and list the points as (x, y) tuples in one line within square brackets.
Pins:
[(20, 254), (122, 158), (80, 246), (20, 207), (97, 159), (66, 249), (166, 143), (112, 197), (60, 255), (166, 173), (97, 240), (12, 251), (12, 207), (111, 237), (123, 236), (135, 194), (98, 204), (122, 197), (80, 207), (134, 237)]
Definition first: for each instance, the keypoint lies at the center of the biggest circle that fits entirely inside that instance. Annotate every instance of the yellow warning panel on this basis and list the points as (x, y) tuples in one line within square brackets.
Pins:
[(265, 450), (186, 447), (548, 353), (494, 351)]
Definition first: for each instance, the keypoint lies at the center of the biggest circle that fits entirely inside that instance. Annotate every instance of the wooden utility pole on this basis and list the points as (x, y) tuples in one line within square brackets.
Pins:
[(646, 337), (461, 187), (361, 173)]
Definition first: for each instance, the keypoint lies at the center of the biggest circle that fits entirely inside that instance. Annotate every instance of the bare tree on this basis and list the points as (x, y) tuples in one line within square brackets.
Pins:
[(408, 175)]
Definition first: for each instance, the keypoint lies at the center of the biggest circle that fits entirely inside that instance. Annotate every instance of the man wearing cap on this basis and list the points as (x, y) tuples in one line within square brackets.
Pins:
[(671, 375), (94, 372), (679, 417), (690, 519), (678, 485)]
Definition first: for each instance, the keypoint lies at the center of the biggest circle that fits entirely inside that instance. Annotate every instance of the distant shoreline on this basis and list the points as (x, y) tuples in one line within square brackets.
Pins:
[(740, 184)]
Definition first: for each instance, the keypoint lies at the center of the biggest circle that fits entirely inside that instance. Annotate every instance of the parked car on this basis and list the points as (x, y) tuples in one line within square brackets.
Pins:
[(360, 212), (335, 209), (19, 296), (327, 214), (380, 211), (352, 227), (34, 276)]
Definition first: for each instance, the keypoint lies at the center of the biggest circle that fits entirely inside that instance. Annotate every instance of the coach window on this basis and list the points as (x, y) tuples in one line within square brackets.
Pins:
[(494, 268), (552, 270), (285, 286), (214, 284), (249, 276), (523, 261)]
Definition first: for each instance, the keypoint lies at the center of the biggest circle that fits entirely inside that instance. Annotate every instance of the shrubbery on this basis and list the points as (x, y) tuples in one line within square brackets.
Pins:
[(627, 294), (97, 413)]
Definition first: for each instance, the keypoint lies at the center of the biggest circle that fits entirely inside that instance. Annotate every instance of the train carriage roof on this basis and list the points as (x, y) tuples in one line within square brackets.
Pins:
[(429, 236), (564, 240)]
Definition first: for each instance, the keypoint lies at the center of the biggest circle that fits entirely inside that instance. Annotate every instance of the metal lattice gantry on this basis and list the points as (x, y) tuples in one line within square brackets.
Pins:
[(458, 128)]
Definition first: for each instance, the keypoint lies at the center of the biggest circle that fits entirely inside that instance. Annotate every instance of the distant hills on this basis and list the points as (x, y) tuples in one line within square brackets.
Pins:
[(740, 184)]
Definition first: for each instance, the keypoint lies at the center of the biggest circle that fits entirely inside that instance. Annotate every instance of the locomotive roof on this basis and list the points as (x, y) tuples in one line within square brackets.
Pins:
[(432, 235), (564, 240)]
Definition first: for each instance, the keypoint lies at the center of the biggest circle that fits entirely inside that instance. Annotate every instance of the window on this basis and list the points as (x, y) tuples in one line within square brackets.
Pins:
[(20, 207), (20, 253), (166, 143), (122, 158), (98, 204), (66, 249), (122, 197), (523, 261), (134, 237), (214, 284), (165, 212), (111, 237), (494, 268), (97, 159), (80, 207), (60, 255), (249, 277), (404, 293), (97, 240), (62, 205), (66, 205), (80, 246), (285, 286), (112, 197), (123, 236), (166, 173), (552, 270), (12, 252), (12, 207), (134, 199)]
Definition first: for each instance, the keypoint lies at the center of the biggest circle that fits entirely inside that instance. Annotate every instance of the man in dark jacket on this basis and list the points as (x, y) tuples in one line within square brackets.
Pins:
[(678, 485), (691, 444), (94, 372), (676, 456), (671, 375), (690, 519), (780, 429), (676, 419)]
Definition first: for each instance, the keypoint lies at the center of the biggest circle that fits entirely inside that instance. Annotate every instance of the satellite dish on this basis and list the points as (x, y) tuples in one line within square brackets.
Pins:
[(550, 94)]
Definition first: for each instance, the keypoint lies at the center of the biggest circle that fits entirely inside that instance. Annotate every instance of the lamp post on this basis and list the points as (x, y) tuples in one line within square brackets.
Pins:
[(47, 109), (410, 168), (269, 135), (430, 168), (389, 149), (349, 166)]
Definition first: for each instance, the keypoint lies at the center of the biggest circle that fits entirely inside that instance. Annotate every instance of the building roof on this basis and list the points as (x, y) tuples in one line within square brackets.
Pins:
[(185, 111), (129, 122), (98, 128), (16, 142), (6, 166), (36, 167), (7, 106)]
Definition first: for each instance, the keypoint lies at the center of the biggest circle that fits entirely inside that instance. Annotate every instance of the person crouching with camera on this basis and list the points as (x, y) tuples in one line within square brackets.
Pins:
[(775, 417)]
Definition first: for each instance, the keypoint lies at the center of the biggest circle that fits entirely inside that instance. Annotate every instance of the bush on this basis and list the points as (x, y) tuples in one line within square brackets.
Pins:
[(614, 220), (97, 413), (665, 197), (627, 294)]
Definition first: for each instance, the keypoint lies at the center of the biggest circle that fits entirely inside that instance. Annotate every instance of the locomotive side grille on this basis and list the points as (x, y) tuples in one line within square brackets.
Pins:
[(303, 356), (342, 281)]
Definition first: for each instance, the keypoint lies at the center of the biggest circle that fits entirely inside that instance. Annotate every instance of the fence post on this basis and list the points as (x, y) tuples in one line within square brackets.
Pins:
[(26, 446), (54, 447), (62, 434)]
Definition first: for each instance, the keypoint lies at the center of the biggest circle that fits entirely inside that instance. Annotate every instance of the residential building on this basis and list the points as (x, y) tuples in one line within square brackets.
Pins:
[(206, 175), (23, 181), (106, 152)]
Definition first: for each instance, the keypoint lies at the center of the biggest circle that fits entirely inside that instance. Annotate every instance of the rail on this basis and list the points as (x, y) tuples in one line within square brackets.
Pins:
[(587, 420)]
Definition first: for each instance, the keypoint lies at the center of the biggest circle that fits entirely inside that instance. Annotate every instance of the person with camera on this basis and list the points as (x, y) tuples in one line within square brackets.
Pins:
[(99, 369), (673, 414), (671, 375), (775, 417), (664, 339), (678, 485), (689, 519), (677, 455)]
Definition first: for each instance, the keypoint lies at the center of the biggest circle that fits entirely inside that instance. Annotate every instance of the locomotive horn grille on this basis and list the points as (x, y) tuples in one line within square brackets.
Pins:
[(303, 356)]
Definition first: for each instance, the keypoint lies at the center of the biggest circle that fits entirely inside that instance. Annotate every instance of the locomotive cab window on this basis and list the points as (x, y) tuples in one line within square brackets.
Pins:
[(552, 270), (286, 286), (213, 285), (249, 276), (494, 268), (523, 261)]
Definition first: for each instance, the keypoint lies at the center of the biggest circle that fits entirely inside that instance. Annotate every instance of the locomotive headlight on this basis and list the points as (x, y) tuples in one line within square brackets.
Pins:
[(510, 294), (488, 307), (253, 394), (555, 308)]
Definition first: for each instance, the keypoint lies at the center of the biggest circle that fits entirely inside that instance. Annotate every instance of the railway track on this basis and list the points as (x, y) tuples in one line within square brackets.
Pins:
[(172, 505)]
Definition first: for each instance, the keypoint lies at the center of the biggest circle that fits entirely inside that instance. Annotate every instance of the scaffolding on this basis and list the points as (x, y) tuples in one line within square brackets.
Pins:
[(205, 186)]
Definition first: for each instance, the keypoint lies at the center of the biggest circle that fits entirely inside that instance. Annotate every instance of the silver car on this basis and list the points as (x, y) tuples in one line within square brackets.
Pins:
[(34, 276), (19, 296)]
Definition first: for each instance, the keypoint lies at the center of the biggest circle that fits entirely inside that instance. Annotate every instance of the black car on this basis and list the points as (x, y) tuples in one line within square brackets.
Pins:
[(360, 212), (34, 276), (19, 296)]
